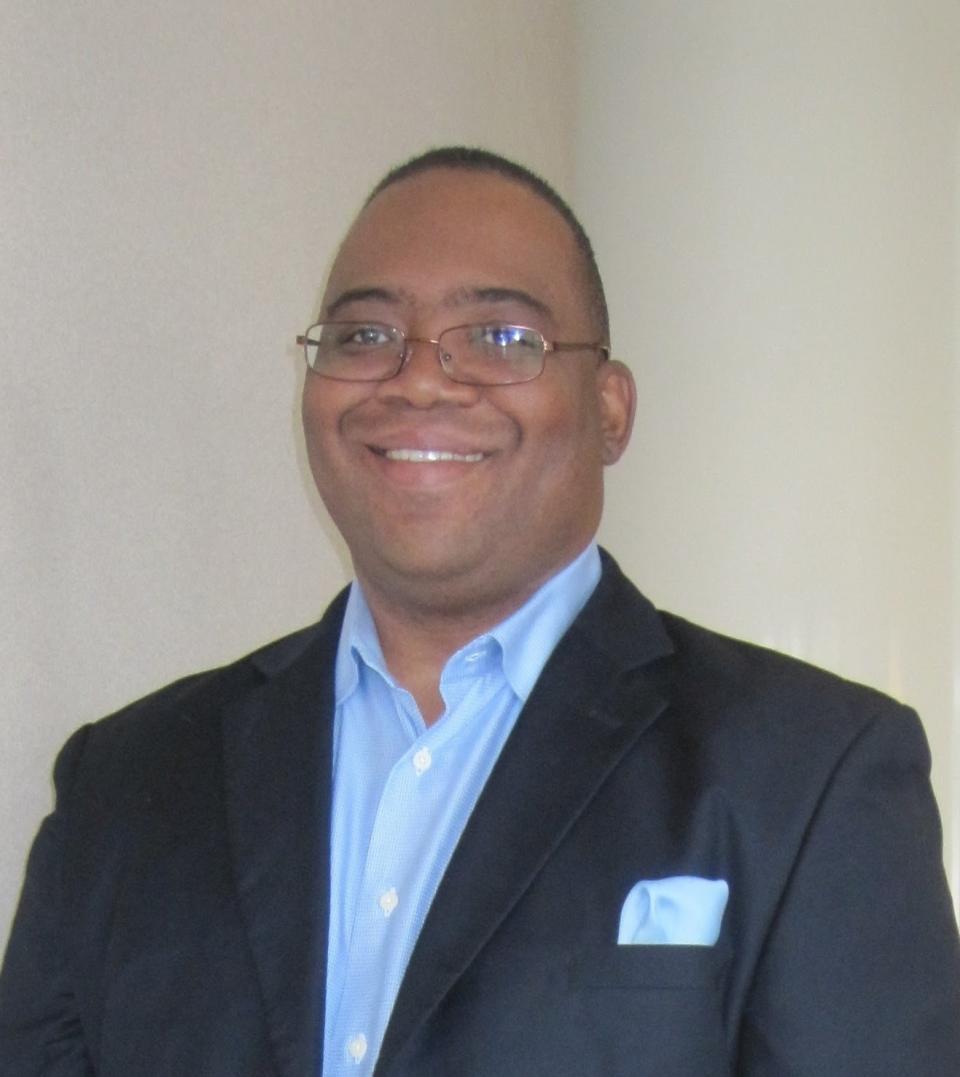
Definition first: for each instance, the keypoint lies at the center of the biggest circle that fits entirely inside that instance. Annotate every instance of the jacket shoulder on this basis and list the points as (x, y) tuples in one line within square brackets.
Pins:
[(197, 691), (169, 730), (741, 665), (718, 677), (725, 684)]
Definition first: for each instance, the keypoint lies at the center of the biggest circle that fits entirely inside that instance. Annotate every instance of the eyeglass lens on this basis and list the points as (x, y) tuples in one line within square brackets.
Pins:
[(472, 354)]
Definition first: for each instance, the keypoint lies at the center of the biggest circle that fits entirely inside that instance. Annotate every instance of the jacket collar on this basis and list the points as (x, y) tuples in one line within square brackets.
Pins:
[(277, 754), (598, 693), (600, 690)]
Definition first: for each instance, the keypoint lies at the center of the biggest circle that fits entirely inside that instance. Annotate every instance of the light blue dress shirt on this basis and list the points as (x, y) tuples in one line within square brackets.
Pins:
[(402, 794)]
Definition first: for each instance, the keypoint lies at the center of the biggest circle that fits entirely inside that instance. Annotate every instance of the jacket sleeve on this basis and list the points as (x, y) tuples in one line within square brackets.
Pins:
[(41, 1033), (860, 971)]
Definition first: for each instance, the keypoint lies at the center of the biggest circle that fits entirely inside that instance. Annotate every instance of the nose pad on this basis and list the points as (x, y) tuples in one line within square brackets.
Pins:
[(423, 378), (411, 347), (422, 364)]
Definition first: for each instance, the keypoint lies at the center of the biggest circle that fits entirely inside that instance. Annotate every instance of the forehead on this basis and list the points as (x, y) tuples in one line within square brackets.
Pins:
[(432, 234)]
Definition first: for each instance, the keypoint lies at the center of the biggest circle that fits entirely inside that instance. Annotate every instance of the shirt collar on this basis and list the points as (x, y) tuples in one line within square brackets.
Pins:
[(529, 635), (359, 642), (526, 638)]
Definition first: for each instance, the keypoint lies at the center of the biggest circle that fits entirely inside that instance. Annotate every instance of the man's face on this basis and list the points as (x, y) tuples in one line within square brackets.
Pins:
[(523, 493)]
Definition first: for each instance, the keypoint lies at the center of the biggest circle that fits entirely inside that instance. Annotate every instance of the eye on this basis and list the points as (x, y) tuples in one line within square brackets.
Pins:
[(358, 336), (506, 336)]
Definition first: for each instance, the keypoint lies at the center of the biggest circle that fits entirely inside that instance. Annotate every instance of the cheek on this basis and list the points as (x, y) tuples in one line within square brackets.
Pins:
[(322, 407), (571, 479), (310, 407), (319, 435), (314, 425), (565, 432)]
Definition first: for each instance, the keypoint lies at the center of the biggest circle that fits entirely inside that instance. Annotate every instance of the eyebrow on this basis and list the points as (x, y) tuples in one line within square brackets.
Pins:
[(458, 297), (359, 295), (464, 296)]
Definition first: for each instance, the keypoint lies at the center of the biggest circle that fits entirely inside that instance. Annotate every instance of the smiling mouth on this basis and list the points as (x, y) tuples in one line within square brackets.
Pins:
[(430, 456)]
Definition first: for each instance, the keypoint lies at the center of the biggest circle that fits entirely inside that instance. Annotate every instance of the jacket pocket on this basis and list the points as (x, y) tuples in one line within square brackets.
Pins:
[(663, 967)]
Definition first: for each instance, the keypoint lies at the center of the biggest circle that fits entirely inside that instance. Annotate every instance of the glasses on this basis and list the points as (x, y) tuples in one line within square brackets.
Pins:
[(469, 354)]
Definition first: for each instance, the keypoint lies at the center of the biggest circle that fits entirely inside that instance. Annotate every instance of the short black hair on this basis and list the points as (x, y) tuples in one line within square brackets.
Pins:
[(474, 159)]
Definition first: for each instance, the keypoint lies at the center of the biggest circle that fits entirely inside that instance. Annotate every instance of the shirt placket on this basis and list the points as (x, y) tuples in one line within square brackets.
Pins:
[(387, 903)]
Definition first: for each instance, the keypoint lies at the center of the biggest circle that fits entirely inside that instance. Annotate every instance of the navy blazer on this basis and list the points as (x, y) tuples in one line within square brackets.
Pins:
[(173, 918)]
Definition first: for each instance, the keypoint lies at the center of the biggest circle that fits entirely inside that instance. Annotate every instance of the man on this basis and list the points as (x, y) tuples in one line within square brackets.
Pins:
[(494, 815)]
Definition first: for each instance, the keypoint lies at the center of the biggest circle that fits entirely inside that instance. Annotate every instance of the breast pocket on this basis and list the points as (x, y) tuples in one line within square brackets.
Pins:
[(654, 1010), (666, 967)]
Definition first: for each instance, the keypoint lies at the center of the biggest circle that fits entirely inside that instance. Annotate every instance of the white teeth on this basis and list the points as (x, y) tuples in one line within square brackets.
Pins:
[(432, 456)]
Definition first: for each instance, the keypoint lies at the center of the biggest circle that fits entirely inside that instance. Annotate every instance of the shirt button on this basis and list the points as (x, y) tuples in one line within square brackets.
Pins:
[(357, 1047), (422, 761), (389, 901)]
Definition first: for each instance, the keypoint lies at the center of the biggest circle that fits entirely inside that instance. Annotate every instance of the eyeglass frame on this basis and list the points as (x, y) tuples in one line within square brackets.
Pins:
[(548, 346)]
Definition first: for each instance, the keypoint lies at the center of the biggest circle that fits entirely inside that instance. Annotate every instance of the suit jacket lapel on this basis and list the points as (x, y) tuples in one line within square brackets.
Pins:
[(277, 752), (598, 693)]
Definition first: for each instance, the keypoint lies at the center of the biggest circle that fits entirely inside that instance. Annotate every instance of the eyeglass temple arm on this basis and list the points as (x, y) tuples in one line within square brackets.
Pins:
[(576, 346)]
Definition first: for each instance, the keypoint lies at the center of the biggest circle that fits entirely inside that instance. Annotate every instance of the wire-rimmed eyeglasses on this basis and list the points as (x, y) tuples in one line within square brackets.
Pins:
[(488, 354)]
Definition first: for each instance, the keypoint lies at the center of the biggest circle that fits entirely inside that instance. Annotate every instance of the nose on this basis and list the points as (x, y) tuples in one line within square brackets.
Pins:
[(422, 382)]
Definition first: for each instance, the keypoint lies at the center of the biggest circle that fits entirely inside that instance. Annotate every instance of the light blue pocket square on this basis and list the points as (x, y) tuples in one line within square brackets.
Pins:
[(683, 910)]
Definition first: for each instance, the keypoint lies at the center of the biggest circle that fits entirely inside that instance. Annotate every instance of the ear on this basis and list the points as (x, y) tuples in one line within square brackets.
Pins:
[(617, 396)]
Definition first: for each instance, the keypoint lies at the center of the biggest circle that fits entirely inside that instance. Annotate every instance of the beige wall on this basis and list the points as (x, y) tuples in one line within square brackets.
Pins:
[(773, 192), (174, 178), (776, 214)]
